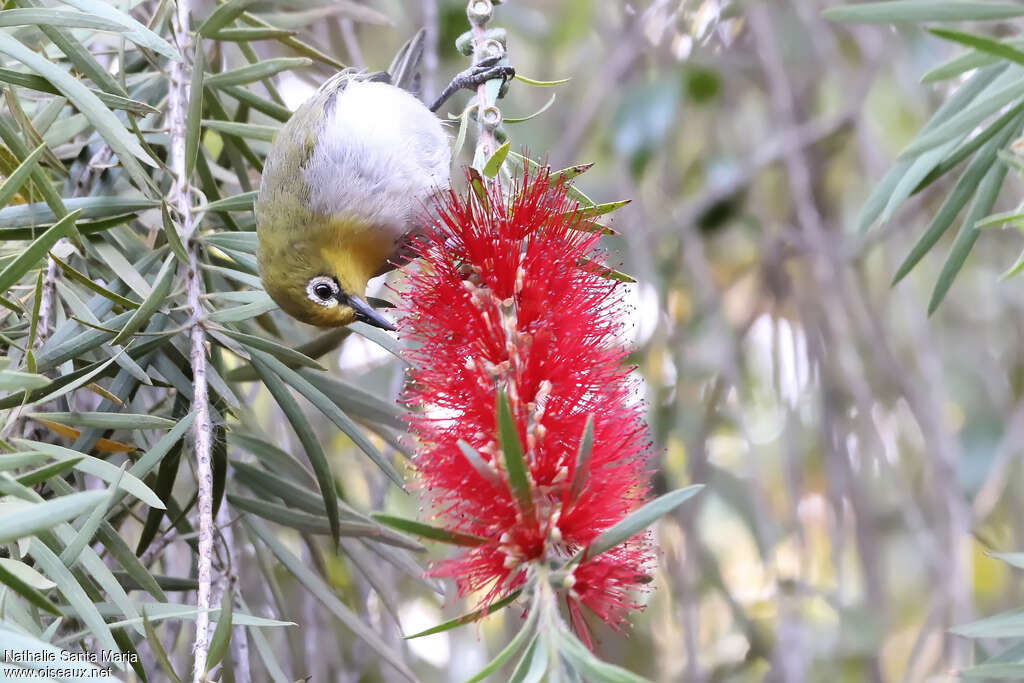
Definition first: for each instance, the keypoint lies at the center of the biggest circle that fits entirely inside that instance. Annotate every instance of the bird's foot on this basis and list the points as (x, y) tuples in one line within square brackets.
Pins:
[(481, 72)]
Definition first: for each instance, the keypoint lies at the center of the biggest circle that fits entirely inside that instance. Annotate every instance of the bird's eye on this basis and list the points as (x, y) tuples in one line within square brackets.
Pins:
[(323, 290)]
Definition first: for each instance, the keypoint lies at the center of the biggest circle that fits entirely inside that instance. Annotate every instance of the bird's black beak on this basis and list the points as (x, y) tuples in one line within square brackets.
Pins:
[(365, 314)]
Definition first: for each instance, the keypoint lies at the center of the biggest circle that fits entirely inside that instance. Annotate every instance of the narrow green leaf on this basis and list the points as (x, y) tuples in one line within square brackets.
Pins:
[(965, 121), (279, 351), (378, 337), (543, 84), (135, 31), (113, 131), (589, 666), (237, 314), (36, 251), (252, 131), (26, 590), (969, 147), (51, 566), (33, 215), (222, 16), (252, 34), (12, 380), (581, 471), (89, 527), (158, 650), (460, 138), (173, 238), (299, 46), (97, 468), (141, 316), (322, 592), (469, 618), (531, 666), (260, 104), (965, 188), (262, 480), (493, 164), (356, 401), (15, 180), (604, 271), (256, 72), (247, 242), (107, 420), (222, 634), (570, 173), (525, 634), (331, 410), (41, 474), (273, 457), (159, 611), (238, 202), (520, 119), (963, 63), (307, 437), (894, 187), (987, 45), (512, 451), (40, 84), (638, 520), (193, 129), (427, 531), (29, 520), (984, 200), (300, 521), (56, 17)]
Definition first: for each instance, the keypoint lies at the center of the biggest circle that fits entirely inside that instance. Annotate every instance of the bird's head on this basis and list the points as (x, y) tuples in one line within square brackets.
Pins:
[(321, 278)]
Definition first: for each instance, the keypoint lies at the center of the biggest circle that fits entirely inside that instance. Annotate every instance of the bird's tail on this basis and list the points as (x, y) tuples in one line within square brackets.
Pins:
[(405, 69)]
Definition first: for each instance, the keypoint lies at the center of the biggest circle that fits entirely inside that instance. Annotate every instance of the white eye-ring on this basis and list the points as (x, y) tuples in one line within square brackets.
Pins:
[(323, 290)]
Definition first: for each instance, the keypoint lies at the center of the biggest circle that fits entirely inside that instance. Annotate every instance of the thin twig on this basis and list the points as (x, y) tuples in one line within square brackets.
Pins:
[(180, 197)]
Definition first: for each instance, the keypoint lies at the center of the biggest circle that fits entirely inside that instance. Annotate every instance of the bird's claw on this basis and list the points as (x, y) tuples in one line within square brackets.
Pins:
[(485, 70)]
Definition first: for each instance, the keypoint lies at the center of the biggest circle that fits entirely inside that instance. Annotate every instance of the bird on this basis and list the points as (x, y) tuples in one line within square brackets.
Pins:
[(345, 184)]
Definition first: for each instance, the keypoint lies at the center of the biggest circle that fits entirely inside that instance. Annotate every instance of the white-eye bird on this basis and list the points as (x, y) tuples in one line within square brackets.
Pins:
[(345, 183)]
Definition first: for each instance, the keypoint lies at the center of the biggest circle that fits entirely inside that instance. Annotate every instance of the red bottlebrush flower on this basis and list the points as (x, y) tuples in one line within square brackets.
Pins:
[(508, 296)]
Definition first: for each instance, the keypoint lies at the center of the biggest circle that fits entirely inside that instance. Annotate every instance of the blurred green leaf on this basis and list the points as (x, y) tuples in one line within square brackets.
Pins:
[(35, 252), (917, 11), (13, 182), (432, 532), (322, 592), (638, 520), (308, 438), (256, 72), (469, 618), (522, 636), (159, 653)]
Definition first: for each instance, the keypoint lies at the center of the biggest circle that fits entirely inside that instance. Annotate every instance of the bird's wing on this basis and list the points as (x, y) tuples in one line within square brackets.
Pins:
[(404, 69)]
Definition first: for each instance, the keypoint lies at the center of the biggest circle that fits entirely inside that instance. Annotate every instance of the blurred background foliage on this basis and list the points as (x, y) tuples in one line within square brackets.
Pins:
[(861, 455)]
